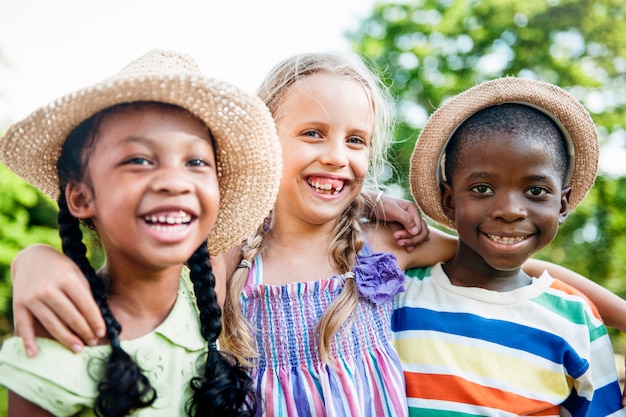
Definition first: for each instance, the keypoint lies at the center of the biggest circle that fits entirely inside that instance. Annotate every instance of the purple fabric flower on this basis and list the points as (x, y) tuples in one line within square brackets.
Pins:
[(378, 277)]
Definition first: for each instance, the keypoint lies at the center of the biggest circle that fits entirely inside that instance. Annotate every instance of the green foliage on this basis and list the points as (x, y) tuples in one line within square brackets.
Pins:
[(3, 401), (26, 217), (433, 49)]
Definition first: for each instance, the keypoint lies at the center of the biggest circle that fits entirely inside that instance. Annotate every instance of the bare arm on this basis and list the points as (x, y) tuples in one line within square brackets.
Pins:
[(611, 307), (387, 209), (19, 407), (52, 298), (48, 288), (439, 247)]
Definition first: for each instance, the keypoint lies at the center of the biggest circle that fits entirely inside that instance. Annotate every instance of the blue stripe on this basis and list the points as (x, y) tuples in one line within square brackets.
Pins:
[(512, 335), (606, 400)]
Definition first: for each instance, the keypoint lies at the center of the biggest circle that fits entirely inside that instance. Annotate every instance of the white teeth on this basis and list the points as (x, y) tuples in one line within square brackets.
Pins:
[(326, 187), (181, 218), (163, 228), (507, 240)]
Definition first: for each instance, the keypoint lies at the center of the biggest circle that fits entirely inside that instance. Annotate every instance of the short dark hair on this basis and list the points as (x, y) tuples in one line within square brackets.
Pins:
[(535, 125)]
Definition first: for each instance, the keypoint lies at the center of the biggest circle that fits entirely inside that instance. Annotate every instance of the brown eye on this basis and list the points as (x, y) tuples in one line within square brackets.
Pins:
[(482, 189), (536, 191)]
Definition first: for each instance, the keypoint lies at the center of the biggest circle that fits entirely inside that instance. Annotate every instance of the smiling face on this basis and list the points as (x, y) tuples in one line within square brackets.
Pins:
[(325, 128), (151, 188), (506, 194)]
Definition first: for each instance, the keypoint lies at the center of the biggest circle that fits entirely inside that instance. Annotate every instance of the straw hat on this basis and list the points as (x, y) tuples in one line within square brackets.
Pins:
[(248, 150), (567, 112)]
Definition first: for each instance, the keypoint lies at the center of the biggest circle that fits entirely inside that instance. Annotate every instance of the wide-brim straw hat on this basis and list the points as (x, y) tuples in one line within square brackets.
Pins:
[(248, 150), (564, 109)]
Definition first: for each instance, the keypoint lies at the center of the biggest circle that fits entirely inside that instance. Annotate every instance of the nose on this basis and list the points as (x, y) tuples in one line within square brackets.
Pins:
[(509, 207), (335, 152), (170, 180)]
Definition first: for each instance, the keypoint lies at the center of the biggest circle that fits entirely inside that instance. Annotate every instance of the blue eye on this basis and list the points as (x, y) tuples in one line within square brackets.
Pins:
[(312, 133), (138, 161), (198, 163), (356, 140)]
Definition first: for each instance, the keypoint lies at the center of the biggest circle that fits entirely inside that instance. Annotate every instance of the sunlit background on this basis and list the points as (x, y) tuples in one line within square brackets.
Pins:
[(431, 49)]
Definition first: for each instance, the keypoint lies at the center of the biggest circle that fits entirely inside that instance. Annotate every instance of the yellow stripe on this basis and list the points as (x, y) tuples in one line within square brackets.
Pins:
[(470, 360)]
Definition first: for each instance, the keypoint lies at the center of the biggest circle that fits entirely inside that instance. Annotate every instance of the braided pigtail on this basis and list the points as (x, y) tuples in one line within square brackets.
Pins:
[(238, 336), (123, 388), (225, 389), (344, 249)]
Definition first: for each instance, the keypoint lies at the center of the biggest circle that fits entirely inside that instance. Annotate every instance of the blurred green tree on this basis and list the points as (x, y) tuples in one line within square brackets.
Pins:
[(26, 217), (430, 50)]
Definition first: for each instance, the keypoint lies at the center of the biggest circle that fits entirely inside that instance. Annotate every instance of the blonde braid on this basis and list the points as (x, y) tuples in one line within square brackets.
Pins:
[(344, 249), (238, 333)]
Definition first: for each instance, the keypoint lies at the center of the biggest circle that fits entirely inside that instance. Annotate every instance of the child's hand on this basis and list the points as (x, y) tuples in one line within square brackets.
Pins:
[(391, 209), (49, 288)]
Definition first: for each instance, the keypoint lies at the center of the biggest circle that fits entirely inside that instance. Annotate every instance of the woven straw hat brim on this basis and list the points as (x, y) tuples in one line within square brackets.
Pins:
[(248, 150), (563, 108)]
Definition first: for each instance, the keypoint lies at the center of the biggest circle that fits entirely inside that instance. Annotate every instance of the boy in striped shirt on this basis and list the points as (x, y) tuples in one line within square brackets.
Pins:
[(503, 164)]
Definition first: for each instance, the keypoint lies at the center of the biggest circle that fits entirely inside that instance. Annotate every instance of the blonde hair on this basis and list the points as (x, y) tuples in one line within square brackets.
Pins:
[(348, 237)]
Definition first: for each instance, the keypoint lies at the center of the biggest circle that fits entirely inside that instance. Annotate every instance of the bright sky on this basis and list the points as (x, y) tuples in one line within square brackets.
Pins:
[(50, 48)]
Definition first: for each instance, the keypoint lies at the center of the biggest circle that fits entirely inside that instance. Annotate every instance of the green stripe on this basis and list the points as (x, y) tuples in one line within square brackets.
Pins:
[(418, 273), (427, 412), (574, 311)]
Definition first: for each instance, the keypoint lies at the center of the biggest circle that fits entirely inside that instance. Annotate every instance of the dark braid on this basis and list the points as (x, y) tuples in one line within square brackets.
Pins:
[(122, 388), (225, 389)]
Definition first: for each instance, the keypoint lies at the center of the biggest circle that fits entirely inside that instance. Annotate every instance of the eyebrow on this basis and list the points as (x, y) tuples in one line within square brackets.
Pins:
[(481, 175), (146, 139)]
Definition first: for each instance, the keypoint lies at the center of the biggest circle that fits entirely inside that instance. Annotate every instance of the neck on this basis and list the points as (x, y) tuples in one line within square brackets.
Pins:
[(296, 252), (142, 303), (291, 232), (468, 269)]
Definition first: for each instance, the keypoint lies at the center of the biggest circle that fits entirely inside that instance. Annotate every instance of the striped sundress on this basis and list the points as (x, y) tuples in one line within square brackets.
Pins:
[(290, 377)]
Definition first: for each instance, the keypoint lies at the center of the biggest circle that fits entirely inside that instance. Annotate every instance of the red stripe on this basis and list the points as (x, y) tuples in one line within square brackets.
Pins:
[(458, 390)]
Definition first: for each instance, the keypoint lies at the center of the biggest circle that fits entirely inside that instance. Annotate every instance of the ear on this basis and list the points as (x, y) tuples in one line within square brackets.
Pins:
[(564, 210), (447, 200), (80, 200)]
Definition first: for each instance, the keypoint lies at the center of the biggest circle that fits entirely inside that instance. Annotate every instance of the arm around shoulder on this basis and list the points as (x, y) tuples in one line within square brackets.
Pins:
[(439, 247), (50, 289), (612, 308)]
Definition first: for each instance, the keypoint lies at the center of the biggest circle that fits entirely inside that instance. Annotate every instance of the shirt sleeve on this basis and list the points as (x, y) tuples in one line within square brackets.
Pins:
[(56, 380)]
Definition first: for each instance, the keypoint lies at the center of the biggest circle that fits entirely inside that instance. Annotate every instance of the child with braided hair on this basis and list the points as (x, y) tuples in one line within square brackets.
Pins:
[(153, 161)]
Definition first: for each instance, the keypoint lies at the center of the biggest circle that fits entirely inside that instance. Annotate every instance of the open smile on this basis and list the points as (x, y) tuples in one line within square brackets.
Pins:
[(507, 240), (328, 186), (168, 221)]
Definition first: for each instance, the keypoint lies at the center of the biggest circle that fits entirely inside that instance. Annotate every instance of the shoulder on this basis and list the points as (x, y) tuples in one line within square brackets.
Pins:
[(56, 379), (439, 247), (570, 303)]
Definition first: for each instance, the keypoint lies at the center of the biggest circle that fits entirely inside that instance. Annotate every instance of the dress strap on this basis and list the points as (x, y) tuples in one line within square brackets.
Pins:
[(366, 250), (255, 275)]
